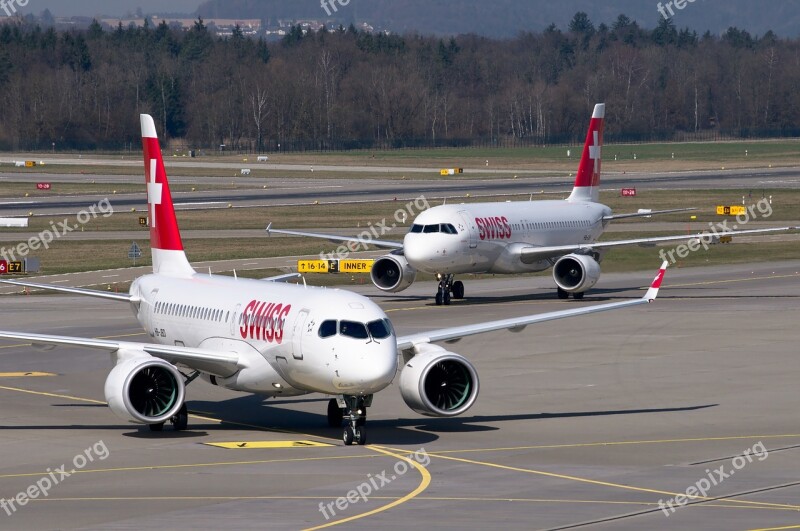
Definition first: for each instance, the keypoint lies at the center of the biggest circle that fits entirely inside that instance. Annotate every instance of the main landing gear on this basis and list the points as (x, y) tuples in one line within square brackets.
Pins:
[(353, 414), (564, 294), (180, 420), (448, 289)]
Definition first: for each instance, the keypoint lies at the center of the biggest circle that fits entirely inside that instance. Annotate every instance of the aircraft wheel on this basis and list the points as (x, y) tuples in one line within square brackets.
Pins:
[(181, 419), (562, 294), (156, 427), (458, 289), (578, 296), (439, 298), (446, 299), (335, 414), (361, 435), (348, 436)]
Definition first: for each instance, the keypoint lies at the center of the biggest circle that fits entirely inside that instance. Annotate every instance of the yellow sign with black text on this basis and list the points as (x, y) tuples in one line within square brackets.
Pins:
[(355, 266), (733, 210), (312, 266)]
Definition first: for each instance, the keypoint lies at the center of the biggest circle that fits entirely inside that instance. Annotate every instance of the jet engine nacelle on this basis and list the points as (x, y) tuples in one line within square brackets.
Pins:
[(145, 390), (576, 273), (438, 383), (392, 273)]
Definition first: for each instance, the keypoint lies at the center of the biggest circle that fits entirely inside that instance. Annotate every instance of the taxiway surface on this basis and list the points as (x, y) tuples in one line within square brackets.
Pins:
[(581, 423)]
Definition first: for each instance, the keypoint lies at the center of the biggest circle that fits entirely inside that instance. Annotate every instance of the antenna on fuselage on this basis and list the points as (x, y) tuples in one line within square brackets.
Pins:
[(234, 275)]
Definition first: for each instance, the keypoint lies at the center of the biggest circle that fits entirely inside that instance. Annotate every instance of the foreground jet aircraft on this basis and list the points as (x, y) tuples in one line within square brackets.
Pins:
[(270, 338), (515, 236)]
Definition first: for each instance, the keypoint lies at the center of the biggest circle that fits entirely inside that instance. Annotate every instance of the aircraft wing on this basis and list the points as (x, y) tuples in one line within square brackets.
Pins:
[(646, 213), (532, 254), (517, 324), (282, 278), (75, 291), (332, 237), (218, 363)]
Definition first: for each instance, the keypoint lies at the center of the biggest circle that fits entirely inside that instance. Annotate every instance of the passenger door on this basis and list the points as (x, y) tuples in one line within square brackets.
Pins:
[(298, 331)]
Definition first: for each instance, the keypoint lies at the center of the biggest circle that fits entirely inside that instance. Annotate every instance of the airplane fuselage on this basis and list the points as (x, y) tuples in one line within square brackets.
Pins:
[(276, 328), (483, 237)]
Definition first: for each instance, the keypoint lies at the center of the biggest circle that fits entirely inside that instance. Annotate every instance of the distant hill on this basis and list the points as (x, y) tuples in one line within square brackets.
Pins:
[(506, 18)]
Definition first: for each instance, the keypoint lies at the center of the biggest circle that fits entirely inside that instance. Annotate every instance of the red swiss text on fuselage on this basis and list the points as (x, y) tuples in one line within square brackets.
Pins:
[(494, 228), (264, 321)]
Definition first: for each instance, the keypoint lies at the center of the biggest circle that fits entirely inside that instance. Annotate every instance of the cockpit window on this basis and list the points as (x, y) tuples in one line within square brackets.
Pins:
[(353, 329), (327, 329), (446, 228), (380, 329)]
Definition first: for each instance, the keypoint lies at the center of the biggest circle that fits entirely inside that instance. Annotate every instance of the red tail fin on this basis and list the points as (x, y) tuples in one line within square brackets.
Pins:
[(165, 237), (587, 180)]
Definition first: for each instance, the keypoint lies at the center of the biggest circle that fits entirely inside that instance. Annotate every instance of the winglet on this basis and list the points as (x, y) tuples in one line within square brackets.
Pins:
[(268, 229), (652, 293)]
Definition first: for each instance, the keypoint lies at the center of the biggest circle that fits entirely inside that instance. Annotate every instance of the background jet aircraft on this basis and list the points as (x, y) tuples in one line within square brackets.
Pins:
[(513, 237)]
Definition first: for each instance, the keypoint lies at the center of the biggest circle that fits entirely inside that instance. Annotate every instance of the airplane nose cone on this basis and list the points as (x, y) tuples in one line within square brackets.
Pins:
[(415, 251), (370, 372)]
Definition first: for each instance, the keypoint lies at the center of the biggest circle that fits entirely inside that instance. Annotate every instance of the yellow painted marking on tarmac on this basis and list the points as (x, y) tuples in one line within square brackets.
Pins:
[(777, 528), (53, 395), (423, 484), (192, 465), (618, 443), (606, 483), (25, 374), (248, 445)]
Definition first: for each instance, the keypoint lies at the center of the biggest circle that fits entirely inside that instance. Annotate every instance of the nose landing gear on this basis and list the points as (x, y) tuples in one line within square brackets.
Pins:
[(354, 414), (448, 289)]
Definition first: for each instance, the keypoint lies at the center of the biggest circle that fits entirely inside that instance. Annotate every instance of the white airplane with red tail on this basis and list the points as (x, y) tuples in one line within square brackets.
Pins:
[(270, 338), (515, 236)]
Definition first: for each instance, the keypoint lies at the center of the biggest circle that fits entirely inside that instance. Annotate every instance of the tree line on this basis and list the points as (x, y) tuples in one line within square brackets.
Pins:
[(346, 88)]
